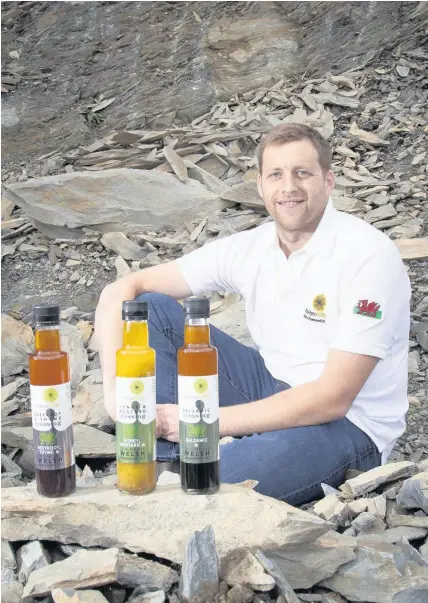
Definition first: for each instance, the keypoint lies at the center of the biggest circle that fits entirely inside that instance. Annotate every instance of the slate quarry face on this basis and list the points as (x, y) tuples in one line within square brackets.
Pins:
[(164, 58)]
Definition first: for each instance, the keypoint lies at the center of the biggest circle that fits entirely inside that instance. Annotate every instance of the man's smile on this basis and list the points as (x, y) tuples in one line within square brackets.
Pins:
[(289, 202)]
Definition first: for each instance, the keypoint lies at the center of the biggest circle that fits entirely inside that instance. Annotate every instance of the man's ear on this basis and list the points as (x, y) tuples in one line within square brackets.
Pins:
[(329, 180), (259, 185)]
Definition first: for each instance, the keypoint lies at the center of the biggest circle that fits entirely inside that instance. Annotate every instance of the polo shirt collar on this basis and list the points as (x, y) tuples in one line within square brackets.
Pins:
[(323, 239)]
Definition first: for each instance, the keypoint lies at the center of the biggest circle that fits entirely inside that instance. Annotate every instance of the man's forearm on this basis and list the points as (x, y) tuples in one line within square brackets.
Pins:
[(163, 278), (108, 331), (307, 404)]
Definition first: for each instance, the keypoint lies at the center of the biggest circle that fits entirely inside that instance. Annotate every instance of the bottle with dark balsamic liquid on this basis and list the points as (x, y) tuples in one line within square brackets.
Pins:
[(198, 402), (51, 407)]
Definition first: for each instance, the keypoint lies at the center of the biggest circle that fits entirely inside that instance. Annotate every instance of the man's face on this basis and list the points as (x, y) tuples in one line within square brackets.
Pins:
[(293, 185)]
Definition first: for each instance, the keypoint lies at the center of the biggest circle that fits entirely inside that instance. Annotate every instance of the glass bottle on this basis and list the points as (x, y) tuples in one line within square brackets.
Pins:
[(198, 401), (136, 403), (51, 407)]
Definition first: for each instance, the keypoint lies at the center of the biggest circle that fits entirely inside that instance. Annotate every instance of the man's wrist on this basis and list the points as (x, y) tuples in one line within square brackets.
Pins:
[(232, 420), (223, 422)]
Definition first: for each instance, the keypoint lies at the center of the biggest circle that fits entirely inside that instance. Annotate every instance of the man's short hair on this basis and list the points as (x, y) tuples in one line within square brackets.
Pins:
[(292, 133)]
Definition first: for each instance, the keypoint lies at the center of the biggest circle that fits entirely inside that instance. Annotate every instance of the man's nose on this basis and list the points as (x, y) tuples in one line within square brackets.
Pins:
[(289, 184)]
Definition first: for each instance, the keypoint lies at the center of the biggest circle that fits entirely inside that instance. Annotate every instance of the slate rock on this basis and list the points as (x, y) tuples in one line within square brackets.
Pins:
[(81, 570), (120, 244), (8, 560), (277, 574), (134, 571), (32, 556), (11, 592), (70, 595), (241, 567), (199, 571), (411, 595), (378, 573), (366, 523), (370, 480), (157, 596), (17, 342), (239, 594), (306, 564), (414, 493)]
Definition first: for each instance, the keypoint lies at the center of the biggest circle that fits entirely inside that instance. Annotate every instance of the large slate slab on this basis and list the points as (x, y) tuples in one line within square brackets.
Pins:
[(126, 200), (240, 517)]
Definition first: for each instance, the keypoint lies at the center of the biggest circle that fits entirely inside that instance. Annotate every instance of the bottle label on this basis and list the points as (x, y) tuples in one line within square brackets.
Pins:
[(199, 419), (52, 426), (136, 419)]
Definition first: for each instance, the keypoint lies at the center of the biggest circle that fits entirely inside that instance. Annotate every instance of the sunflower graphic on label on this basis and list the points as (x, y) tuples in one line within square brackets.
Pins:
[(136, 387), (50, 395), (200, 386)]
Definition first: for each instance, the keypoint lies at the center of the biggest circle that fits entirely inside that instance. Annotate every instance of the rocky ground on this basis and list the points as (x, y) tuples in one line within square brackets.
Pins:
[(63, 241), (365, 542)]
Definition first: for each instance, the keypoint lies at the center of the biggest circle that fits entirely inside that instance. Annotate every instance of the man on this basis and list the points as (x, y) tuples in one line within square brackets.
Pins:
[(327, 304)]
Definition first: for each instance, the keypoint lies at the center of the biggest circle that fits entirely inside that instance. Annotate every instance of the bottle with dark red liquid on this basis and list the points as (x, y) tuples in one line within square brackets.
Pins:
[(51, 407), (198, 401)]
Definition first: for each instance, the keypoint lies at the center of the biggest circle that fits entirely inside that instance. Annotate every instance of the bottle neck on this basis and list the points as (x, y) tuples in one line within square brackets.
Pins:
[(135, 333), (47, 339), (196, 331)]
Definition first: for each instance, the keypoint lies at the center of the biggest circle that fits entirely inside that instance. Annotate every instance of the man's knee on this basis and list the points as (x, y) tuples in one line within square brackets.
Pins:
[(164, 311), (156, 299)]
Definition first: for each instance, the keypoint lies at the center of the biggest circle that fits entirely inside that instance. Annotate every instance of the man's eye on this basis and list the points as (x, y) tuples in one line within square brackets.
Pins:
[(303, 172), (274, 174)]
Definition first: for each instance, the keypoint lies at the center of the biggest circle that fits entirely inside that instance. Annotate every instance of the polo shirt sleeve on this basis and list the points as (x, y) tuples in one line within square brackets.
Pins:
[(374, 298), (216, 266)]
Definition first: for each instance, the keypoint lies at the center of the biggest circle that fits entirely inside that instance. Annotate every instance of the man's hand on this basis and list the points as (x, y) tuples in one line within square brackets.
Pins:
[(167, 422)]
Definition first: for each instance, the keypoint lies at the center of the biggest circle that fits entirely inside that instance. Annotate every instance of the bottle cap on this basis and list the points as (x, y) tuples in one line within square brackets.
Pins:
[(135, 310), (47, 314), (196, 307)]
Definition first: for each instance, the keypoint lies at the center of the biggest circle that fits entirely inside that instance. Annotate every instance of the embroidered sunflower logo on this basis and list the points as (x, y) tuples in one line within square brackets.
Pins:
[(50, 395), (136, 387), (200, 386), (319, 302)]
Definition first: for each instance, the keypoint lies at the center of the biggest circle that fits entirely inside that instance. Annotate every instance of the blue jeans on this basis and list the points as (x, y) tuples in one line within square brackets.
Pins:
[(288, 464)]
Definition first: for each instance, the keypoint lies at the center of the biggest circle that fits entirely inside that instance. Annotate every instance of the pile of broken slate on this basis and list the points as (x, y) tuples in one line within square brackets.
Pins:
[(365, 542)]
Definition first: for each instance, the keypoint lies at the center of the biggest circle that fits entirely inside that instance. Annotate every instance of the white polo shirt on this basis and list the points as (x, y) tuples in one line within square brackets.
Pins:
[(346, 289)]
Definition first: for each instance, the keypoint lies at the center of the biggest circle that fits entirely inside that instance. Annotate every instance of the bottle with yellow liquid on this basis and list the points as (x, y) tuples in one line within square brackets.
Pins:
[(136, 403)]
